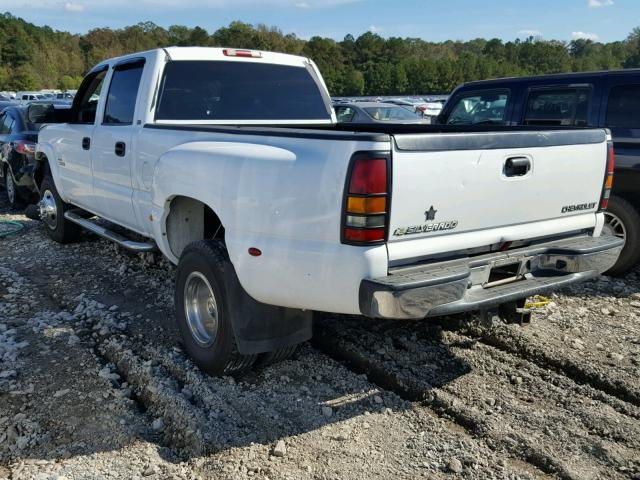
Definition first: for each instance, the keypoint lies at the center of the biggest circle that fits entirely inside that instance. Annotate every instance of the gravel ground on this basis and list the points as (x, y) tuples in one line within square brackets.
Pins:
[(94, 384)]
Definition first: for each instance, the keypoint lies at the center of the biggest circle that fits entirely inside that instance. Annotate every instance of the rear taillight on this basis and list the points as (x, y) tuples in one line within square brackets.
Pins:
[(24, 147), (366, 207), (608, 178)]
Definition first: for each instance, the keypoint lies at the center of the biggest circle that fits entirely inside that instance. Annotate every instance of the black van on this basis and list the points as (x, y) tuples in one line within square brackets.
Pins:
[(597, 99)]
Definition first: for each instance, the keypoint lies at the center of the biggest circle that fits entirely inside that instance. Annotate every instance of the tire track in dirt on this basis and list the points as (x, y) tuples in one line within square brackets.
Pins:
[(510, 403), (511, 341)]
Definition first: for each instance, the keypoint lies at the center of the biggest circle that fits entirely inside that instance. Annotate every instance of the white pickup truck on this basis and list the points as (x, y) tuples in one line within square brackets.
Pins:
[(230, 162)]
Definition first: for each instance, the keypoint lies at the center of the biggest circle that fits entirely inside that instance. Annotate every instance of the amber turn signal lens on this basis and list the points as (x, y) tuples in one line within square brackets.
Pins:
[(366, 204), (609, 182)]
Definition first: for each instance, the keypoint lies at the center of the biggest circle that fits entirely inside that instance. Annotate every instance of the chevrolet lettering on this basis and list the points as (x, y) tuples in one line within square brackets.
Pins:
[(578, 208)]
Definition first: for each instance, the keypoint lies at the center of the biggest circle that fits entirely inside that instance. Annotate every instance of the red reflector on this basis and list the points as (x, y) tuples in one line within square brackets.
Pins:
[(604, 203), (255, 252), (368, 235), (369, 176)]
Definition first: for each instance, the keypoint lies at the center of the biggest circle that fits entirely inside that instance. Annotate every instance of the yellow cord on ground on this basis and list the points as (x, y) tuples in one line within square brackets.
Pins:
[(538, 301)]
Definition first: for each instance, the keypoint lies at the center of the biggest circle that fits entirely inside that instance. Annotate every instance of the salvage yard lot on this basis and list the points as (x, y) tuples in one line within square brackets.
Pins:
[(93, 384)]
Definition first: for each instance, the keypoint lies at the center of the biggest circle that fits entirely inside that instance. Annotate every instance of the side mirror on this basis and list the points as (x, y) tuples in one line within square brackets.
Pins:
[(40, 113), (48, 113)]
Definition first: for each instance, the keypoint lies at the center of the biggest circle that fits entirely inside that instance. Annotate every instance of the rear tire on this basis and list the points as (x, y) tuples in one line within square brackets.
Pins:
[(202, 310), (52, 210), (623, 220)]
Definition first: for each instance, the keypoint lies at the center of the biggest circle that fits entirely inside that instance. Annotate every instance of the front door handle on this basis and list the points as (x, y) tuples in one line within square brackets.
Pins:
[(120, 149), (517, 166), (86, 143)]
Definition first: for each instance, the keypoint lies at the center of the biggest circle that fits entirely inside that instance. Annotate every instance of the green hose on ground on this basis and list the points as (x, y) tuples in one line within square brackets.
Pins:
[(9, 227)]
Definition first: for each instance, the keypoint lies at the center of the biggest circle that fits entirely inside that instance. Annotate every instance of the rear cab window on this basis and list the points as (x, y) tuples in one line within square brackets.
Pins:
[(219, 91), (479, 108), (557, 106)]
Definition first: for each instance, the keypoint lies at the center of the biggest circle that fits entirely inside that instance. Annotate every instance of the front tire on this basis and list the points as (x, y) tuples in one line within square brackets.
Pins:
[(52, 210), (623, 220), (202, 310)]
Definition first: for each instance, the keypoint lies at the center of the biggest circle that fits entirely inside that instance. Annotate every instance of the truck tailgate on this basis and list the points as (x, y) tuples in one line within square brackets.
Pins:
[(447, 184)]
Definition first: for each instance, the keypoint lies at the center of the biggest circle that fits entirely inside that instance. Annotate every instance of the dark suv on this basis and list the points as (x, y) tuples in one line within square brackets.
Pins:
[(597, 99)]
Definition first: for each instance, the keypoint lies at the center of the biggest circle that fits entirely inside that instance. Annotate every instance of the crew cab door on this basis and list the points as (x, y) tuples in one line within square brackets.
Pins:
[(112, 145), (73, 149)]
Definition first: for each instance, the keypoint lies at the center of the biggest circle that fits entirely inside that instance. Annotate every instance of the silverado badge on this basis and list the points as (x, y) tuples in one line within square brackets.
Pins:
[(429, 215)]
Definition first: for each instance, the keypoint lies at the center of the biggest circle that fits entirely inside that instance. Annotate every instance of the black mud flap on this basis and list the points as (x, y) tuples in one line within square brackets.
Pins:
[(259, 327)]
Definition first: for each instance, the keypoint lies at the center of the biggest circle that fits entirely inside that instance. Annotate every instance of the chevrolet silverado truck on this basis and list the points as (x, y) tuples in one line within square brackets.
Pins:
[(231, 163)]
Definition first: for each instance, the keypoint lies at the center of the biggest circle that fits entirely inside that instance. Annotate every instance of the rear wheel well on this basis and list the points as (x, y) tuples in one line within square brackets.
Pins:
[(191, 220)]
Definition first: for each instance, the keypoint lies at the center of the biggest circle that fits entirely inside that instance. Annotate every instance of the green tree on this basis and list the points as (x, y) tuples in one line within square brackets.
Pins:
[(34, 57)]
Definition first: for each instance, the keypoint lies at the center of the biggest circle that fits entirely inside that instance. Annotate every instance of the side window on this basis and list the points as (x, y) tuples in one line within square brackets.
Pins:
[(345, 114), (561, 106), (7, 123), (2, 129), (123, 91), (479, 108), (86, 101), (623, 107)]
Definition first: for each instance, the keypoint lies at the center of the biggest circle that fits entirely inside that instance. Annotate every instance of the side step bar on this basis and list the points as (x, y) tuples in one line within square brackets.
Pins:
[(108, 234)]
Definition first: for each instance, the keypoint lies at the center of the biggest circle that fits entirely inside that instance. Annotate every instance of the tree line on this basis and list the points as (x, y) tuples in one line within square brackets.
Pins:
[(33, 57)]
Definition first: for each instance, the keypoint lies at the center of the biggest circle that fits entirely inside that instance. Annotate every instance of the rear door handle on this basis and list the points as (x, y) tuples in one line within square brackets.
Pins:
[(86, 143), (120, 149), (517, 166)]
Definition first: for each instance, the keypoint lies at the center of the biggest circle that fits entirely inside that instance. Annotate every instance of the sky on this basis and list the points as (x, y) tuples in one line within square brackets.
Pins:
[(433, 20)]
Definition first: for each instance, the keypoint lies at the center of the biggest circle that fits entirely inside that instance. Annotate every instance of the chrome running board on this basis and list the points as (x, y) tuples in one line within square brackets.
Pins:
[(108, 234)]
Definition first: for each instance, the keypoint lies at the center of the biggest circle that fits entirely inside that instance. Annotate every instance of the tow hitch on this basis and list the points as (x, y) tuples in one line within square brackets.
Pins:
[(509, 313)]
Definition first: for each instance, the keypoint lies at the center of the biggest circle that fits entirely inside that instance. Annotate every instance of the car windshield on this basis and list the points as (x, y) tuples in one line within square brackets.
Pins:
[(478, 109), (390, 113)]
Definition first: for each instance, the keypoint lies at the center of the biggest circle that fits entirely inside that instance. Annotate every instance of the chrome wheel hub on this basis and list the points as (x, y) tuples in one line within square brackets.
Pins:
[(614, 226), (201, 309), (48, 209), (11, 188)]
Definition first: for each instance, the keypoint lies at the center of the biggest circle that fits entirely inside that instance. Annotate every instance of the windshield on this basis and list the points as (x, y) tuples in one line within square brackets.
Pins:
[(225, 90), (477, 109), (390, 114)]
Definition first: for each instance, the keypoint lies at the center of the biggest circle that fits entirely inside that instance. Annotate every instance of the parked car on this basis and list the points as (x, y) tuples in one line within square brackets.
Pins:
[(18, 140), (431, 108), (375, 112), (25, 97), (7, 103), (608, 99), (231, 163)]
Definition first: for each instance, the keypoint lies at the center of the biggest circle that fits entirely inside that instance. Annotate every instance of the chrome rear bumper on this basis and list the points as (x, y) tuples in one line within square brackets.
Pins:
[(461, 285)]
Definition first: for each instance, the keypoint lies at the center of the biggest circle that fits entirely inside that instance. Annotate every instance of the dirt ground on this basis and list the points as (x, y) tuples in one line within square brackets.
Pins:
[(94, 384)]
